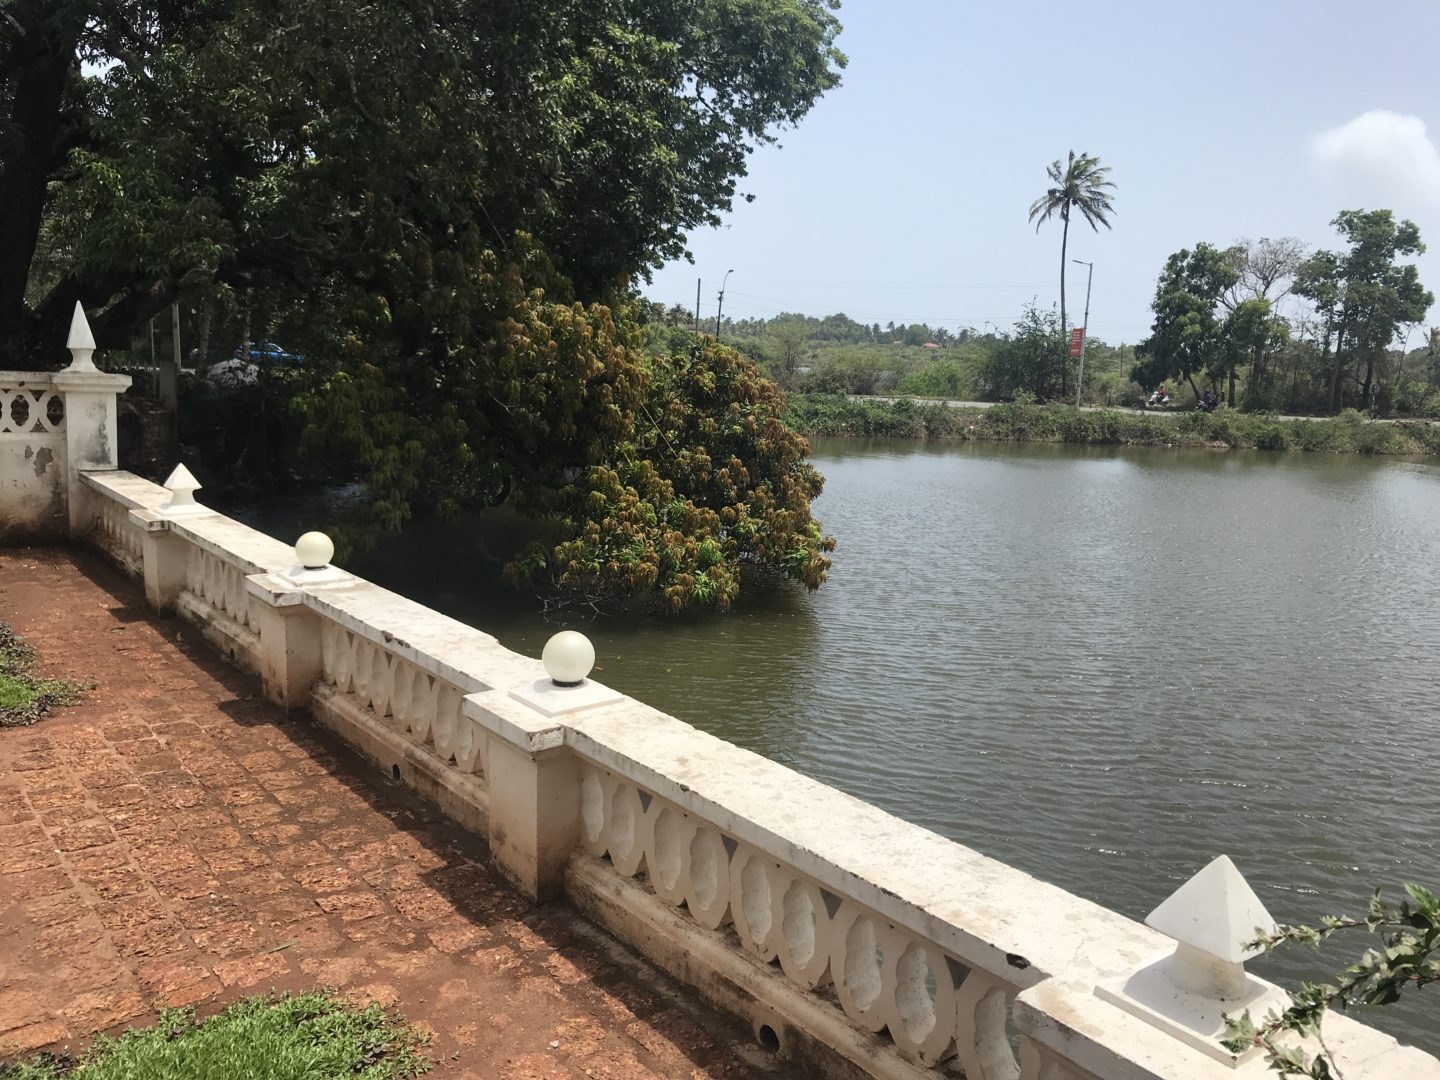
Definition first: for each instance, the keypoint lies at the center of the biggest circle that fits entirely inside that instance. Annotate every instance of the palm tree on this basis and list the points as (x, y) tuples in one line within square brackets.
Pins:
[(1082, 185)]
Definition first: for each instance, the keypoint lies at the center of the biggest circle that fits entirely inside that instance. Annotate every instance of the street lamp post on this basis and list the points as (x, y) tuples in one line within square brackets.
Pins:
[(721, 306), (1084, 327)]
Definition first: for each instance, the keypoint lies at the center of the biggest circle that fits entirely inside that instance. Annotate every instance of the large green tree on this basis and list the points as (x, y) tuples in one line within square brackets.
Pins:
[(1363, 295), (663, 477), (1250, 331), (442, 205), (1081, 185), (1187, 334), (149, 151)]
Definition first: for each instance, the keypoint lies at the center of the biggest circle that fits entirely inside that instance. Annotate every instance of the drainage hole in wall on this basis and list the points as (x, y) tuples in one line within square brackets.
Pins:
[(768, 1039), (395, 771)]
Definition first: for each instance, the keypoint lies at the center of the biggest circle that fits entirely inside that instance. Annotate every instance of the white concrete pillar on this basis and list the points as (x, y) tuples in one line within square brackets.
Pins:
[(534, 777), (1187, 993), (291, 654), (91, 435), (164, 555), (290, 657), (534, 815)]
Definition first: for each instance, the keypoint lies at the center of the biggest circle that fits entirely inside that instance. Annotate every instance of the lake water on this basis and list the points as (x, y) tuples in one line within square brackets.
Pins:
[(1103, 666)]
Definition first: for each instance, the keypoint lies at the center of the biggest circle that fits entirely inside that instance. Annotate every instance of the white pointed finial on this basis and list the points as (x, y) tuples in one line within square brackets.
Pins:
[(81, 342), (1212, 917), (1189, 992), (182, 487)]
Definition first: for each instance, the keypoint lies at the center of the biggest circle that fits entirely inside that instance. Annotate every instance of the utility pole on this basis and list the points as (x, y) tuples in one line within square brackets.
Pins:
[(697, 305), (721, 306), (1084, 327), (168, 373)]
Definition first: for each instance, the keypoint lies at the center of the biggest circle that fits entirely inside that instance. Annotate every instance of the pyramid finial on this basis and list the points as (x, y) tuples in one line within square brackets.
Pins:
[(182, 487), (81, 342), (1215, 912), (1189, 992)]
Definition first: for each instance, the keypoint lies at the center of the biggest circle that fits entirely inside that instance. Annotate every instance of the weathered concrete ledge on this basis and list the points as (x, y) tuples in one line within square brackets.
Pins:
[(875, 948), (851, 940)]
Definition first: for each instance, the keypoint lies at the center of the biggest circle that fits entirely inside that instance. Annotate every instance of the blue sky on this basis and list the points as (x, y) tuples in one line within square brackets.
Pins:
[(904, 194)]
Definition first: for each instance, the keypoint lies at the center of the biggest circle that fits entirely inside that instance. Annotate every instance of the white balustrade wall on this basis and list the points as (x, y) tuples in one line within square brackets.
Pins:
[(876, 947), (422, 707), (885, 978), (220, 583), (32, 458), (120, 537)]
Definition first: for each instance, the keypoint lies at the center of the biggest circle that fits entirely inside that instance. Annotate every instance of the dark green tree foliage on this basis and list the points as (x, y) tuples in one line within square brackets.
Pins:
[(1249, 332), (665, 476), (1362, 295), (1030, 359), (443, 204), (291, 144), (1187, 334)]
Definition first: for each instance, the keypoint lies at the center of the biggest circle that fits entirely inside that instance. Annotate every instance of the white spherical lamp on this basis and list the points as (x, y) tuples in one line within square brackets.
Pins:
[(314, 550), (568, 658)]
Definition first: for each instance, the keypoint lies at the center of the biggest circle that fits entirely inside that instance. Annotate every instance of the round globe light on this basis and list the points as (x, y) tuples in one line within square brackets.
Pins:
[(568, 658), (314, 550)]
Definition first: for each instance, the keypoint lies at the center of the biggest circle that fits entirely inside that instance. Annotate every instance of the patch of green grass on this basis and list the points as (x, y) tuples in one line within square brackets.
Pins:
[(24, 698), (310, 1036)]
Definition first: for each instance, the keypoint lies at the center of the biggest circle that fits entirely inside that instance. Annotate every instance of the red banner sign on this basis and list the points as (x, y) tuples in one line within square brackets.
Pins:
[(1077, 340)]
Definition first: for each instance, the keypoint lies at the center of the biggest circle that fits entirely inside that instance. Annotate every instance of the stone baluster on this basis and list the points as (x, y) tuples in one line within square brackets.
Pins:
[(91, 434)]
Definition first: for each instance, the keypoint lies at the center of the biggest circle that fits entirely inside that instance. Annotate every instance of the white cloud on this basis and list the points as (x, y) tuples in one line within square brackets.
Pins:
[(1384, 158)]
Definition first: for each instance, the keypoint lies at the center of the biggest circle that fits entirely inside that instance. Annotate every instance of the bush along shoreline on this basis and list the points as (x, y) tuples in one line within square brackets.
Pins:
[(1020, 421)]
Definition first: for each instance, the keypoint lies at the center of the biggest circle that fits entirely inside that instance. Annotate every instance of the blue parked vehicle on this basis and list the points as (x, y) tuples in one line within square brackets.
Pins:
[(267, 353)]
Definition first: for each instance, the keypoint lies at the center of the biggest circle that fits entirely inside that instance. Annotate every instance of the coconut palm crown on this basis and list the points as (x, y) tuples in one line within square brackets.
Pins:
[(1084, 185)]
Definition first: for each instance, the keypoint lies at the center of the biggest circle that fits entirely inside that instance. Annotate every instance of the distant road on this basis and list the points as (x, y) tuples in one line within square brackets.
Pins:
[(950, 404)]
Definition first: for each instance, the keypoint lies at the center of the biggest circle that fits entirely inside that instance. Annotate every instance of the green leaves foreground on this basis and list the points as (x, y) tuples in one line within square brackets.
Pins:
[(661, 478), (25, 698), (306, 1036), (1408, 958)]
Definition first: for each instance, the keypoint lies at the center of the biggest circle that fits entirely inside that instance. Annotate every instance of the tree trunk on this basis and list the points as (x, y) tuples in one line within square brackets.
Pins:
[(1064, 335), (43, 65), (1369, 377), (1231, 399), (1194, 391), (207, 317), (1335, 371)]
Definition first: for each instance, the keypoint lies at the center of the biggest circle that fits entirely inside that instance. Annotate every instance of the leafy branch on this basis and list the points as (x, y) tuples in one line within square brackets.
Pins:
[(1408, 959)]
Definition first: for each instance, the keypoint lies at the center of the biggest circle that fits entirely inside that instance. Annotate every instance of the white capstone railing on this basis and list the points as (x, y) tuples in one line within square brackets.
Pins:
[(219, 554), (114, 531), (846, 931), (886, 978), (421, 706)]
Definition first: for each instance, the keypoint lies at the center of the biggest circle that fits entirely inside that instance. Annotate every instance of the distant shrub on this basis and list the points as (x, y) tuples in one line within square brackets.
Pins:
[(943, 379), (1271, 435), (1024, 420)]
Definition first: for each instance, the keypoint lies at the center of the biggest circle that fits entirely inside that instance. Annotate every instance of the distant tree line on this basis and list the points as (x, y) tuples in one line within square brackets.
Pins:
[(1267, 324), (1300, 331)]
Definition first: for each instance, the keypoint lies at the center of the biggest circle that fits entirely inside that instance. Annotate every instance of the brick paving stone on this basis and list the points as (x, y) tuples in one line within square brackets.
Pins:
[(174, 840)]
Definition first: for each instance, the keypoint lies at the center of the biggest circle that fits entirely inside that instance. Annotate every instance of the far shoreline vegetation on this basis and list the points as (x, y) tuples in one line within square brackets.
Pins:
[(838, 415)]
